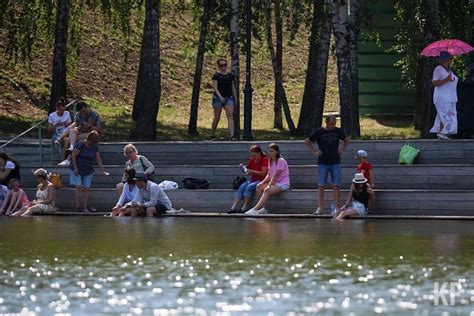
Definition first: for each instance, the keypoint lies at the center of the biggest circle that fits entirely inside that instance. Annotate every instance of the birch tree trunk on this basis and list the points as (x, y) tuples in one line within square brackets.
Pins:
[(425, 111), (338, 10), (354, 31), (276, 69), (312, 107), (59, 84), (277, 107), (148, 90), (193, 117), (234, 52)]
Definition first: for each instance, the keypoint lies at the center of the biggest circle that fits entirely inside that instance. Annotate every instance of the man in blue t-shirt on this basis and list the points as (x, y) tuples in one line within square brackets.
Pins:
[(328, 152)]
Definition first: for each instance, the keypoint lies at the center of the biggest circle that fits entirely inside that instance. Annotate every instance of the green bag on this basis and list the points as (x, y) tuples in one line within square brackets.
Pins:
[(408, 154)]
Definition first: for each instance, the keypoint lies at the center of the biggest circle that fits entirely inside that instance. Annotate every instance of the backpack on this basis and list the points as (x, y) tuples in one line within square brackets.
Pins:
[(193, 183), (238, 182)]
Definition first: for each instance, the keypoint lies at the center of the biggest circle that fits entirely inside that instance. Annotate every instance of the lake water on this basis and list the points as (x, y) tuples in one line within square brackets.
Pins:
[(221, 266)]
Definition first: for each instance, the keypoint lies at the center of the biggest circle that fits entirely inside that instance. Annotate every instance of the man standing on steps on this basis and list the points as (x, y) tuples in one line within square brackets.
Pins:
[(329, 159)]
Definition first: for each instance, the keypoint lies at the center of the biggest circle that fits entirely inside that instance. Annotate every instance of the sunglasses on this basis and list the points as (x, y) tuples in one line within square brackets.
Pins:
[(223, 65)]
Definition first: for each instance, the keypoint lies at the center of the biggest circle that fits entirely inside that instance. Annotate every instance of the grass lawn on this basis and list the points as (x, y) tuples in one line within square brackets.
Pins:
[(173, 123)]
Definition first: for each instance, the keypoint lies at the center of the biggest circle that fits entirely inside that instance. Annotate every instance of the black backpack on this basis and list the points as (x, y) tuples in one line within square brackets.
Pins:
[(238, 182), (193, 183)]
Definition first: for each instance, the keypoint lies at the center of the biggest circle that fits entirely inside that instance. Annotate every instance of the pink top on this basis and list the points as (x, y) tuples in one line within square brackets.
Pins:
[(282, 165)]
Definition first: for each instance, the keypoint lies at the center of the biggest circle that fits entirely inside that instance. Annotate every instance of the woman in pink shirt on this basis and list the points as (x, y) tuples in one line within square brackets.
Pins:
[(276, 181)]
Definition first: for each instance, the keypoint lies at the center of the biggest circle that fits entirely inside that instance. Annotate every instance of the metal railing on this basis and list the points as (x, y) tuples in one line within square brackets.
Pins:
[(40, 137)]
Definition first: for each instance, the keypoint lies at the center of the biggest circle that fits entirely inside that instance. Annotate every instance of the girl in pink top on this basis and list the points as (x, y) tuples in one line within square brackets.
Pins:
[(15, 199), (276, 181)]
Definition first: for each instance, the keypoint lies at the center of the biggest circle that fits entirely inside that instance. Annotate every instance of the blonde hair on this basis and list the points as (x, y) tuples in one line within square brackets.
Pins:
[(129, 147), (41, 173)]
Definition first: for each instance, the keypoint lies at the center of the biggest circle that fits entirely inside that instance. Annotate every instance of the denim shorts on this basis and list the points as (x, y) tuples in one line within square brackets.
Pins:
[(282, 186), (84, 181), (333, 170), (216, 102)]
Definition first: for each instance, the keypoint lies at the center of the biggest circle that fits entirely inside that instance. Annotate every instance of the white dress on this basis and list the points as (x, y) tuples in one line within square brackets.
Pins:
[(444, 99), (43, 195)]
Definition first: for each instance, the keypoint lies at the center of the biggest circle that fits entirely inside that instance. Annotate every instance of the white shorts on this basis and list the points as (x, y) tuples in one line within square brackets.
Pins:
[(359, 208)]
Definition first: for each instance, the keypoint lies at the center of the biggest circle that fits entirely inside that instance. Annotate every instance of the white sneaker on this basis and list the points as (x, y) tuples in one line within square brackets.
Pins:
[(244, 208), (442, 136), (318, 211), (65, 163), (262, 211), (252, 212)]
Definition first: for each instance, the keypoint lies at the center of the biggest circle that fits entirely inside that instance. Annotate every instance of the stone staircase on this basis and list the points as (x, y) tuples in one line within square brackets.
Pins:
[(439, 183)]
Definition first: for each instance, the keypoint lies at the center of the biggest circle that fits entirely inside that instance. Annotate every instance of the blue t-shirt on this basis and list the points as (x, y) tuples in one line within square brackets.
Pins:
[(85, 159)]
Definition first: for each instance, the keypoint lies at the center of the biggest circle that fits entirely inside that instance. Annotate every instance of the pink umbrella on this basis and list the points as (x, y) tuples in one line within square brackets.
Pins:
[(452, 46)]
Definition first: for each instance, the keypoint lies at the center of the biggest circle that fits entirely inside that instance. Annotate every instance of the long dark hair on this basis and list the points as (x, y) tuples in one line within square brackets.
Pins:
[(131, 175), (257, 149), (6, 158), (276, 148)]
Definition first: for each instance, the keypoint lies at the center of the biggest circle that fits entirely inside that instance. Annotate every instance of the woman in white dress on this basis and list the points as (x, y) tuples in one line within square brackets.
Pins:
[(445, 98)]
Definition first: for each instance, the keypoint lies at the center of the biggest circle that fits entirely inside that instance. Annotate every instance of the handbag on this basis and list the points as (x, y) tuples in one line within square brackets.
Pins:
[(238, 182), (408, 154), (193, 183), (57, 180), (150, 176)]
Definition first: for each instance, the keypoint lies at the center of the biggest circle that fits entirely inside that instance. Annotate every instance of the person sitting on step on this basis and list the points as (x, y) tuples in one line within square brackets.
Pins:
[(129, 191), (15, 199), (256, 167), (365, 167), (45, 195), (137, 162), (58, 122), (150, 199), (9, 169), (360, 195), (87, 120), (276, 181)]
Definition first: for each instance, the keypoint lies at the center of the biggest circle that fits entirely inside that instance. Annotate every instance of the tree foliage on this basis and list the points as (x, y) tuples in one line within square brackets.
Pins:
[(412, 16)]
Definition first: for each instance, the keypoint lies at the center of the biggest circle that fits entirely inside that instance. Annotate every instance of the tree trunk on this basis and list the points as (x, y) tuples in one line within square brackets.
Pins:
[(425, 112), (234, 52), (312, 107), (340, 22), (470, 63), (276, 69), (193, 118), (277, 107), (148, 90), (59, 84), (354, 31)]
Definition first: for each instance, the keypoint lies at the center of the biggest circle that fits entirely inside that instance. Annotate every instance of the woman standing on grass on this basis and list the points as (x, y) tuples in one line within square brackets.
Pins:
[(276, 181), (224, 97), (81, 170), (256, 167), (44, 202)]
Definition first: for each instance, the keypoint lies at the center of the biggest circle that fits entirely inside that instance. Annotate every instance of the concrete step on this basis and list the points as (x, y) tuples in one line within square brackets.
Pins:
[(389, 202), (231, 153), (434, 177)]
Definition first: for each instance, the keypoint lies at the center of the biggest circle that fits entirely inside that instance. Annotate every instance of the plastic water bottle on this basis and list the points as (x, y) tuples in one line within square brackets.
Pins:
[(333, 209)]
